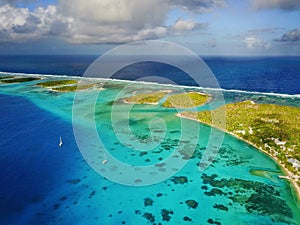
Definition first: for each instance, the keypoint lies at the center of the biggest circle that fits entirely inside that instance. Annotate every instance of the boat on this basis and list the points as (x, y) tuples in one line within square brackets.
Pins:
[(104, 161), (60, 142)]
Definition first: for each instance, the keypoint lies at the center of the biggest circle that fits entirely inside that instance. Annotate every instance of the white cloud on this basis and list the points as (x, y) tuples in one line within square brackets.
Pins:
[(19, 24), (252, 42), (187, 25), (288, 5), (114, 21), (94, 21)]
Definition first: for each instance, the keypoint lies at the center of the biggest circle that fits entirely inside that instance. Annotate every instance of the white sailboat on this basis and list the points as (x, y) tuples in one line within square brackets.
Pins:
[(60, 142), (104, 160)]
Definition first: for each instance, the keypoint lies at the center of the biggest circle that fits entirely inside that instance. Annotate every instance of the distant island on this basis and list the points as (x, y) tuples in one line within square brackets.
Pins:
[(146, 98), (186, 100), (66, 85), (13, 79), (182, 100)]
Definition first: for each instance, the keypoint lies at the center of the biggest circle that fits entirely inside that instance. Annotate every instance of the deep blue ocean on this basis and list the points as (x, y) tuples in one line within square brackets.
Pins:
[(41, 183), (261, 74)]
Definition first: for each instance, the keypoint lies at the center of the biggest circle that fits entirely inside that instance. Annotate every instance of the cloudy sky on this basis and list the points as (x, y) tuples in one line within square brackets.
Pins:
[(208, 27)]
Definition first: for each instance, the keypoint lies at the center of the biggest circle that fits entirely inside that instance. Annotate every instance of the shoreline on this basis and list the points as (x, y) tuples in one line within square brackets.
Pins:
[(287, 174), (144, 103), (125, 100)]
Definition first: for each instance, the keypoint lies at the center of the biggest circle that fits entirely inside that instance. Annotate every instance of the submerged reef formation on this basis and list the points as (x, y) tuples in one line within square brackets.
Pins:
[(255, 196), (191, 203), (179, 180), (148, 202)]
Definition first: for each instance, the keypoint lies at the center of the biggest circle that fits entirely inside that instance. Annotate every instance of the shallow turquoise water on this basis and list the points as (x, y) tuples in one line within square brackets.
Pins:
[(224, 193)]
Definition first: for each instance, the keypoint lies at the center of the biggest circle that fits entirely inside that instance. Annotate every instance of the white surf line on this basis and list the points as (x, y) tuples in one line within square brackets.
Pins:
[(156, 84)]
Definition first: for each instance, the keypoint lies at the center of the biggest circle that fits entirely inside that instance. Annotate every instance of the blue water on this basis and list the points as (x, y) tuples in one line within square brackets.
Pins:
[(263, 74), (30, 158), (41, 183)]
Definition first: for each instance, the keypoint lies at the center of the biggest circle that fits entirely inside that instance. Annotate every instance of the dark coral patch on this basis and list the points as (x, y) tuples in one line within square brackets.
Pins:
[(166, 214), (143, 153), (187, 218), (179, 180), (191, 203), (211, 221), (149, 217), (148, 202), (138, 212), (221, 207), (63, 198), (92, 194), (56, 206), (73, 181), (204, 187), (214, 192)]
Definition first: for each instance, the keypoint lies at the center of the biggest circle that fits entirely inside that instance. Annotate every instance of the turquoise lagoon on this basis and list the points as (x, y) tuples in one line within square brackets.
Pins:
[(64, 188)]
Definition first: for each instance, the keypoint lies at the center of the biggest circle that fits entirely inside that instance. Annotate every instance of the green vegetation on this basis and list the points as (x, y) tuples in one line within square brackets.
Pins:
[(272, 128), (54, 83), (6, 77), (148, 98), (71, 88), (19, 80), (113, 85), (65, 88), (66, 85), (186, 100)]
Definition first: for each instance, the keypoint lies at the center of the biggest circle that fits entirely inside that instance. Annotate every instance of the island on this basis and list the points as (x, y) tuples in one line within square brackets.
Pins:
[(13, 79), (6, 77), (273, 129), (55, 83), (182, 100), (186, 100), (151, 98), (66, 85)]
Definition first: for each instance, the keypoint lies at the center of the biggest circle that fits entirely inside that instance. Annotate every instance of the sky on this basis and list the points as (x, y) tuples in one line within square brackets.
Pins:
[(207, 27)]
